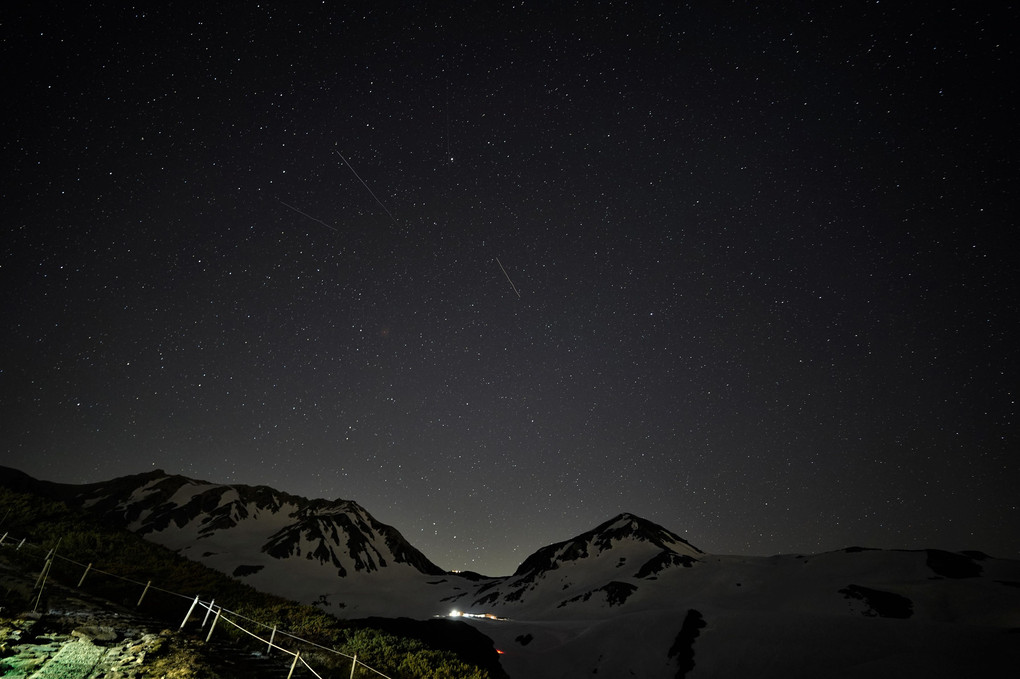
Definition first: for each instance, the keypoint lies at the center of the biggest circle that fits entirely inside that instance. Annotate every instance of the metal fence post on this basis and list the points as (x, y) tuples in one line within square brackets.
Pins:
[(87, 569), (208, 610), (213, 625), (144, 591)]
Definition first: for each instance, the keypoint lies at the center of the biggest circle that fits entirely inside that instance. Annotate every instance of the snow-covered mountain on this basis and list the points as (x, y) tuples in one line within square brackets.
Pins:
[(192, 516), (333, 553), (628, 598), (604, 565)]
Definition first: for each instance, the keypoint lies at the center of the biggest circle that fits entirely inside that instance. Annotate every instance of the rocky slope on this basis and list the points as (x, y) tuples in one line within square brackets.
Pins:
[(80, 636)]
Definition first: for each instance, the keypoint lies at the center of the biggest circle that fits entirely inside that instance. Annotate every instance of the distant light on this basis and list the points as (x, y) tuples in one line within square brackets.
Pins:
[(455, 613)]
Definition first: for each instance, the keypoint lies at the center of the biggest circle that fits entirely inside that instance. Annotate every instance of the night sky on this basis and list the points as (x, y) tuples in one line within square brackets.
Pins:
[(498, 275)]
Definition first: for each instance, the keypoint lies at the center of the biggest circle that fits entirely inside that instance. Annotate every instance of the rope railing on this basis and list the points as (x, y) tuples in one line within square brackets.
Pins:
[(296, 654), (89, 568), (52, 554)]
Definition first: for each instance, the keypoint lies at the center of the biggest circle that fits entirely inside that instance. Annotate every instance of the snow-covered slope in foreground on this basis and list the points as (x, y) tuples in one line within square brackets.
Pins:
[(854, 613)]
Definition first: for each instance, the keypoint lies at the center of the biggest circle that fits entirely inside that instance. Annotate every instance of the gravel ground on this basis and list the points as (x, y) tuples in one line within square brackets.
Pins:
[(80, 636), (74, 660)]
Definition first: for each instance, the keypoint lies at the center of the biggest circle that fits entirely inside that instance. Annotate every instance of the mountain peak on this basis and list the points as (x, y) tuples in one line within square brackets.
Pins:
[(625, 528), (627, 525)]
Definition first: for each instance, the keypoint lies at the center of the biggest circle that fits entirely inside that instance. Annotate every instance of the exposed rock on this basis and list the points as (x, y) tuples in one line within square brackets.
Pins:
[(879, 603)]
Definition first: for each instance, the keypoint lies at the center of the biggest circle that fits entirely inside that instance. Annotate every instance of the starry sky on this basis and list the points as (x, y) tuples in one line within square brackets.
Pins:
[(498, 272)]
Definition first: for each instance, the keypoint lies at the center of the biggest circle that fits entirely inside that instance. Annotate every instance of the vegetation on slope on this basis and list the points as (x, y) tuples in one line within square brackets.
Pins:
[(80, 540)]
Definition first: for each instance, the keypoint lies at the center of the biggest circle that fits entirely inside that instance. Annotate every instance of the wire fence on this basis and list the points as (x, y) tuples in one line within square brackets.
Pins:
[(218, 613)]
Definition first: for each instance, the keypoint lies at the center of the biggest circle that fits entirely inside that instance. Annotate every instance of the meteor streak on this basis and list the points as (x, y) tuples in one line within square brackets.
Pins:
[(305, 214), (365, 185), (508, 278)]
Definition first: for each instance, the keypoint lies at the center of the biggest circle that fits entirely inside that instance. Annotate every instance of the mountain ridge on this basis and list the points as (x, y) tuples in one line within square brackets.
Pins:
[(622, 599), (155, 501), (162, 506)]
